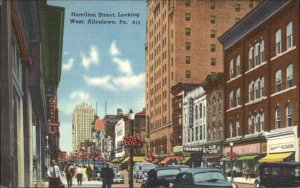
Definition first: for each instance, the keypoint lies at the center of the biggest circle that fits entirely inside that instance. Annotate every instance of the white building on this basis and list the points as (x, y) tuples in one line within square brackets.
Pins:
[(120, 134), (83, 117), (194, 113)]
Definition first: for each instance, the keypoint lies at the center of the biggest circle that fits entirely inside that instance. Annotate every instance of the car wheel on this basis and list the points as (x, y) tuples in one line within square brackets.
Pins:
[(256, 184)]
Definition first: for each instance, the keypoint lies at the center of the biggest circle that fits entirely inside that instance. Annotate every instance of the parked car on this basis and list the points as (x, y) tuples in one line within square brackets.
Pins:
[(140, 168), (202, 177), (162, 176), (119, 178), (279, 174)]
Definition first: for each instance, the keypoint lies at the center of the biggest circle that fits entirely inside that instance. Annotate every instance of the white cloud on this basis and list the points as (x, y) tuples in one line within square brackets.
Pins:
[(68, 65), (124, 66), (114, 51), (103, 82), (79, 95), (93, 57)]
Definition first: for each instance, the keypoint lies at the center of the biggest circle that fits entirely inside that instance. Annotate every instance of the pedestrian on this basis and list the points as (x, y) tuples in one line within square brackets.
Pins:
[(54, 175), (107, 176), (79, 175), (247, 173), (69, 171), (89, 172)]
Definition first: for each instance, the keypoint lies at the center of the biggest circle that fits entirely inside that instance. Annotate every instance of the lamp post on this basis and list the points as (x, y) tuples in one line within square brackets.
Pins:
[(131, 124), (231, 160), (94, 143)]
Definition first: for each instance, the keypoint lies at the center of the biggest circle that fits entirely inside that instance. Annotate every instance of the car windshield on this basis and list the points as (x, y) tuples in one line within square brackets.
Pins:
[(208, 177), (147, 167), (167, 172)]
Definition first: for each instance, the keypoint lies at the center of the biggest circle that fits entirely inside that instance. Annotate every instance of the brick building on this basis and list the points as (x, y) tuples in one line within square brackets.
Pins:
[(261, 65), (182, 46)]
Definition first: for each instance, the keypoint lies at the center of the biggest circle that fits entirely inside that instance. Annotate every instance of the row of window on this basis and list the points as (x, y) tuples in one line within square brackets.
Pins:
[(195, 134), (289, 116), (289, 78), (256, 89), (289, 38)]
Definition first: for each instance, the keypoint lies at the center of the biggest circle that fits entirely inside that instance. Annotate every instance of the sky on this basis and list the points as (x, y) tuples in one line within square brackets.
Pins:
[(101, 63)]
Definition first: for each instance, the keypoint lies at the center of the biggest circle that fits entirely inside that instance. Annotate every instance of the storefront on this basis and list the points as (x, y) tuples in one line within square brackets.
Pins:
[(196, 155), (282, 145), (213, 154)]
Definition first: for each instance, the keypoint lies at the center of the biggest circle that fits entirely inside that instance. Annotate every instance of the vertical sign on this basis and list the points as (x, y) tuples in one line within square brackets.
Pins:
[(191, 119)]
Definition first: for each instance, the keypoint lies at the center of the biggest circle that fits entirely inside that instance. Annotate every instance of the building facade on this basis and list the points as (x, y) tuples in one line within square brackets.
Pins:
[(120, 134), (82, 122), (261, 63), (24, 54), (182, 46)]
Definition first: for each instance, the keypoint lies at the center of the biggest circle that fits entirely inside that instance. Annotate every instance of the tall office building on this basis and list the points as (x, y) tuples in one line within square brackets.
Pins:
[(182, 47), (83, 117)]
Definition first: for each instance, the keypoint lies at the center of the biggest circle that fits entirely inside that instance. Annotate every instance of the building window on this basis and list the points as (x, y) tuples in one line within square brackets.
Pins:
[(187, 16), (212, 33), (250, 3), (256, 54), (262, 51), (188, 31), (213, 61), (251, 92), (238, 65), (231, 128), (289, 114), (231, 105), (212, 4), (188, 59), (200, 110), (197, 130), (262, 87), (251, 64), (231, 69), (256, 89), (238, 127), (187, 3), (187, 45), (238, 96), (212, 19), (188, 73), (278, 117), (256, 122), (212, 47), (250, 124), (262, 122), (289, 35), (289, 76), (237, 7), (196, 112), (278, 42), (278, 81)]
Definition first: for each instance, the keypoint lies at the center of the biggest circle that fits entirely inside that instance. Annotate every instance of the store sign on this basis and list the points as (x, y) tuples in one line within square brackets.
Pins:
[(192, 149), (191, 115), (275, 148), (213, 149), (245, 149)]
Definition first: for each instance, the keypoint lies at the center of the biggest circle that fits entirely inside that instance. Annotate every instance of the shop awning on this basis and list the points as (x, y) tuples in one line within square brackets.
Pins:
[(247, 157), (225, 159), (135, 159), (167, 159), (117, 160), (186, 159), (275, 157), (212, 156)]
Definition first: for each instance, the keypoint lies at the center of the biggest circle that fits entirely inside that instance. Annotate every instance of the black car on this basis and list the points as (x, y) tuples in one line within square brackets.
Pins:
[(202, 178), (162, 176)]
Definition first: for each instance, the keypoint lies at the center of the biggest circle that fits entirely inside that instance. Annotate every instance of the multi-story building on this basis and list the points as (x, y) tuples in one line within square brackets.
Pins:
[(261, 56), (194, 124), (30, 62), (110, 122), (120, 134), (214, 86), (182, 46), (82, 122)]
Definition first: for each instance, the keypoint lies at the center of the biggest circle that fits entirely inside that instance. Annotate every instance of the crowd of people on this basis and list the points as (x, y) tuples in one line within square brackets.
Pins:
[(71, 171)]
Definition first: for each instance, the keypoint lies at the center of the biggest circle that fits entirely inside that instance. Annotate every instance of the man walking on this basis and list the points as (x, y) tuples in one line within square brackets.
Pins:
[(54, 175), (107, 176)]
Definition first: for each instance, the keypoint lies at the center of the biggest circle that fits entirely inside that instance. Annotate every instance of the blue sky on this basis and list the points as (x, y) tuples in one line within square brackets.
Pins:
[(101, 62)]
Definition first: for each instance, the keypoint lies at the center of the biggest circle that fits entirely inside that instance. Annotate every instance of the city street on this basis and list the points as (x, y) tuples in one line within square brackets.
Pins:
[(86, 183)]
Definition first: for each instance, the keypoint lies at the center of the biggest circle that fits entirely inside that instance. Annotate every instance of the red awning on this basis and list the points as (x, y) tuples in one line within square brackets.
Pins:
[(213, 156), (167, 159)]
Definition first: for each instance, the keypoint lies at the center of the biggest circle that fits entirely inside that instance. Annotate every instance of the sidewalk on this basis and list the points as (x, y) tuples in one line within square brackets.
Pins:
[(242, 180)]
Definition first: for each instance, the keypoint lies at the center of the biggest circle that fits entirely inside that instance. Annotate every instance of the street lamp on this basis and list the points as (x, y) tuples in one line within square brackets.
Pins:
[(94, 143), (231, 160), (131, 124)]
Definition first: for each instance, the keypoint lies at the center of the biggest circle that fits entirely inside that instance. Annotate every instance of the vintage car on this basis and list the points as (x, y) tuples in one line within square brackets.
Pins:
[(140, 168), (162, 176), (202, 177), (279, 174), (119, 178)]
